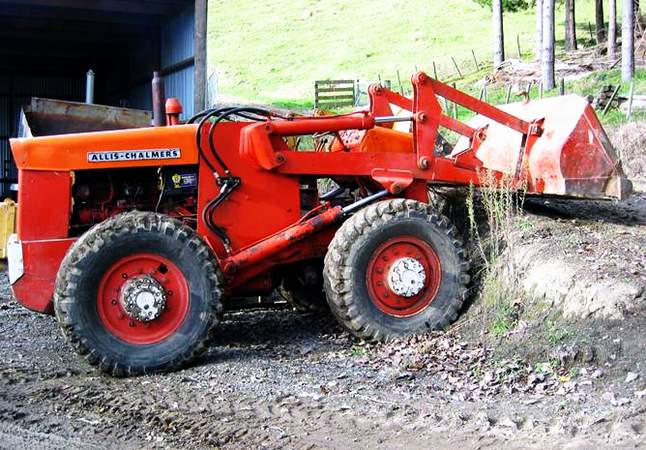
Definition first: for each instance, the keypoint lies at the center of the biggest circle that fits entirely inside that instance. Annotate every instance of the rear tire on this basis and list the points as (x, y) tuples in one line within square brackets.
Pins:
[(108, 279), (393, 269)]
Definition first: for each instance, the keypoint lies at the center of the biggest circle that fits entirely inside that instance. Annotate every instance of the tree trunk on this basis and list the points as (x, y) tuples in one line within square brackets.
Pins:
[(498, 34), (612, 29), (627, 41), (547, 65), (570, 26), (538, 41), (598, 21)]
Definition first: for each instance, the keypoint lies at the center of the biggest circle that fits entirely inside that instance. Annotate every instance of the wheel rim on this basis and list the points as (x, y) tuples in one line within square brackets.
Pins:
[(143, 298), (403, 276)]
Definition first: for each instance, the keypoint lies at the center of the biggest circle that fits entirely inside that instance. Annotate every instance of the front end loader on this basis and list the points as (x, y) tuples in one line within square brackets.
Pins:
[(135, 238)]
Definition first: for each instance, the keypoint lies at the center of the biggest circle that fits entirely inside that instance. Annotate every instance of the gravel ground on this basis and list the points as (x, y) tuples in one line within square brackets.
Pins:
[(278, 379), (281, 379)]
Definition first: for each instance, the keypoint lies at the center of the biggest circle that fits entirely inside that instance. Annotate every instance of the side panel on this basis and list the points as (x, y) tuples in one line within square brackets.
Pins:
[(263, 204), (41, 259), (44, 204)]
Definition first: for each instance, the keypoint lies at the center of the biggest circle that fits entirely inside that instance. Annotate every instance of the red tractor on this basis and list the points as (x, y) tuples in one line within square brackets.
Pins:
[(134, 238)]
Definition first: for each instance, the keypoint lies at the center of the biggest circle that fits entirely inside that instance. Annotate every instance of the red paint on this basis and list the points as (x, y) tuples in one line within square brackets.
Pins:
[(44, 201), (284, 239), (41, 260), (382, 260), (111, 312)]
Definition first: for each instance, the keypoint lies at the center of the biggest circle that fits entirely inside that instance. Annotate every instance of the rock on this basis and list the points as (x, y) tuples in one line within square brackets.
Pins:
[(609, 397), (631, 376), (597, 374)]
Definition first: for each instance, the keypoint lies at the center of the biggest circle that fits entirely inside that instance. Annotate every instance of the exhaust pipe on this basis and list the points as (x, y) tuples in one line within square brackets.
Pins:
[(159, 100)]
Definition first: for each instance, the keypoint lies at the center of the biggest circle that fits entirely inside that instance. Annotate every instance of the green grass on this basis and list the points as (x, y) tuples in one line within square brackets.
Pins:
[(273, 51)]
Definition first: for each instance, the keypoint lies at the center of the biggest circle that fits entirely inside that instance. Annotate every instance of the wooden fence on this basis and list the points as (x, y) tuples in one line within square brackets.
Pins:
[(335, 93)]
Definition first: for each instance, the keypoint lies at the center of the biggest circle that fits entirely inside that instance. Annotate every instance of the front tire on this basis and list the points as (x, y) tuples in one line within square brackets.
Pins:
[(138, 293), (393, 269)]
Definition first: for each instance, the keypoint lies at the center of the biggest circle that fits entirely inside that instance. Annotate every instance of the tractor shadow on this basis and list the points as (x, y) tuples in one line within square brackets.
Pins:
[(274, 333), (629, 212)]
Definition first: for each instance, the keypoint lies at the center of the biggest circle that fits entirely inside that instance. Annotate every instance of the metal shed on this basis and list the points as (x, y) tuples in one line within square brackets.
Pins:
[(49, 45)]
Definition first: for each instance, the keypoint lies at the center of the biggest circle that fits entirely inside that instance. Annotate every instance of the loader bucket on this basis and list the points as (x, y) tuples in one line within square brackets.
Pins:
[(573, 156)]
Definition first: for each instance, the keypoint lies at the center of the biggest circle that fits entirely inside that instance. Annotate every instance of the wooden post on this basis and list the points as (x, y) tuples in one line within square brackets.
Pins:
[(481, 96), (520, 55), (399, 81), (562, 87), (529, 90), (508, 98), (199, 36), (475, 60), (540, 90), (610, 100), (434, 71), (590, 30), (455, 107), (456, 67)]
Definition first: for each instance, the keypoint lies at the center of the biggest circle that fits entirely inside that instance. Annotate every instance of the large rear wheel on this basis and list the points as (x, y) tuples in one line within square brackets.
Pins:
[(395, 268), (138, 293)]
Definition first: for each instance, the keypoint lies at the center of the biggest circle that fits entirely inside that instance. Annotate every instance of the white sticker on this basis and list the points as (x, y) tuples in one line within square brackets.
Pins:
[(134, 155)]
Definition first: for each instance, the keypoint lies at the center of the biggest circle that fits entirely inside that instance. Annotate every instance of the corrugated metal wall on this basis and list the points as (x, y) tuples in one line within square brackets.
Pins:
[(15, 92), (177, 46), (172, 52)]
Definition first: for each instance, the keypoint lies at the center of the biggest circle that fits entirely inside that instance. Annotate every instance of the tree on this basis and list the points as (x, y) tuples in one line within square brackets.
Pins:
[(498, 34), (570, 26), (547, 65), (600, 26), (538, 44), (497, 8), (612, 29), (627, 41)]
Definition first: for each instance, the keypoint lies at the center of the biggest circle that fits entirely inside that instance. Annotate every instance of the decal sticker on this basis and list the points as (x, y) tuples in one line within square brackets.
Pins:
[(134, 155)]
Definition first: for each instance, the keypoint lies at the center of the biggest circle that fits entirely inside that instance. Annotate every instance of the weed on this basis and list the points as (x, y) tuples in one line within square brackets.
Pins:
[(543, 367), (574, 372), (501, 200), (555, 333), (504, 320), (358, 352), (524, 223)]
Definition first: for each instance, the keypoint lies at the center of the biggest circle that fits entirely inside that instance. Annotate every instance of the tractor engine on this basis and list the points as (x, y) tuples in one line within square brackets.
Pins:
[(99, 195)]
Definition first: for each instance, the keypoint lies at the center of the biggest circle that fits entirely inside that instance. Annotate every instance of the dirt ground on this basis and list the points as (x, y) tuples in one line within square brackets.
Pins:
[(282, 379), (570, 374)]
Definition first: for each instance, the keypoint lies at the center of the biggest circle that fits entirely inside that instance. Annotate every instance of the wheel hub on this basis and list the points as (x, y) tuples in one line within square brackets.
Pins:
[(143, 298), (406, 277), (403, 275)]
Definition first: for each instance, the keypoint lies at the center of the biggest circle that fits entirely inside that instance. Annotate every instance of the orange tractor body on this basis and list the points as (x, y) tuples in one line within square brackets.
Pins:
[(258, 217)]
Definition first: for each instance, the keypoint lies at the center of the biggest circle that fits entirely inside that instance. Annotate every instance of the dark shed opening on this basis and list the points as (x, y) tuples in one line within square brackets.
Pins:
[(49, 45)]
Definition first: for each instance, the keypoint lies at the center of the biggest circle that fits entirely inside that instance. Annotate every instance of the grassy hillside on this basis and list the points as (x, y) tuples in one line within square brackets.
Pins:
[(272, 51)]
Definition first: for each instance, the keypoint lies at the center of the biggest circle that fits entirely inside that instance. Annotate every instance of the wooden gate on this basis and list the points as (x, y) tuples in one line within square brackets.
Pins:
[(335, 93)]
